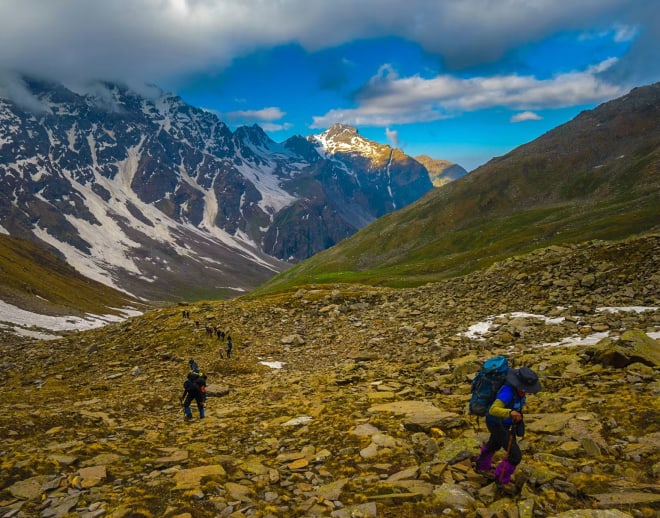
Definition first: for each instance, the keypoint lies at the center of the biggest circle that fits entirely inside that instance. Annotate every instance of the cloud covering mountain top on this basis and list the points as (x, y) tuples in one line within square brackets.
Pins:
[(444, 76), (154, 40)]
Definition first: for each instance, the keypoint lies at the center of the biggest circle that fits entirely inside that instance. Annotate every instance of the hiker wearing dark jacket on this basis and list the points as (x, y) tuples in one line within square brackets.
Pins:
[(194, 388), (504, 420), (230, 346)]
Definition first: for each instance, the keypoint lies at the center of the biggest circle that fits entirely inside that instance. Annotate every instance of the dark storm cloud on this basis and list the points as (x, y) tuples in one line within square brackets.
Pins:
[(641, 64), (154, 40), (334, 76)]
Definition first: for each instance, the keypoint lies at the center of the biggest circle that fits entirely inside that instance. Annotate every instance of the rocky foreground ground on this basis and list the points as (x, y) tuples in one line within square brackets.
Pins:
[(366, 417)]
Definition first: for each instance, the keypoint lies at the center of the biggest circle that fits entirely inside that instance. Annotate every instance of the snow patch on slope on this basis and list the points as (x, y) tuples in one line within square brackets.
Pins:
[(273, 197), (208, 229), (26, 323), (110, 248)]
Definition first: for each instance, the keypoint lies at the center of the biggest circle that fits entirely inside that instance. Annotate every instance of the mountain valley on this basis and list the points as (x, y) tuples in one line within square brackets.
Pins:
[(347, 400), (345, 394), (159, 199), (595, 177)]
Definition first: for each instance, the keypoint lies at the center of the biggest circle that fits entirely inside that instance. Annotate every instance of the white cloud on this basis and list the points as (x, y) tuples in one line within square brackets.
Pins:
[(626, 33), (602, 66), (269, 126), (162, 41), (265, 114), (12, 87), (265, 117), (393, 137), (525, 116), (156, 40), (388, 99)]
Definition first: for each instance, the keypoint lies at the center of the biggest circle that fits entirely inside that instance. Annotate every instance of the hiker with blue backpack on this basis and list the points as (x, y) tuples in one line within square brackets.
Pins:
[(504, 415)]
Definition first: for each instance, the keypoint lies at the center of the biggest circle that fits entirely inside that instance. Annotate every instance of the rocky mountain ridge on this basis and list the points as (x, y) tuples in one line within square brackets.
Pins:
[(594, 177), (143, 192), (365, 417)]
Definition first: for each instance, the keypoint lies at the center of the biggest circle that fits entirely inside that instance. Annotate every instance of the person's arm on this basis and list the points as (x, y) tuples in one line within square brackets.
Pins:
[(499, 409)]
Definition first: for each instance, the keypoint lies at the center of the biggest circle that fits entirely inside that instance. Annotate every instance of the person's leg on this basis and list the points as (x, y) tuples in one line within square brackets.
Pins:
[(186, 406), (494, 443), (497, 439), (484, 461), (507, 466), (200, 406)]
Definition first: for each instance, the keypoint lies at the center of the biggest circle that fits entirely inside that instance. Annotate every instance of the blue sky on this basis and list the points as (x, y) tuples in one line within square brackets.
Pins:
[(461, 80)]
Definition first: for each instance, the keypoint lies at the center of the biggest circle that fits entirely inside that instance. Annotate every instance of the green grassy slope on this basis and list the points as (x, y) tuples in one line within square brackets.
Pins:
[(596, 177), (35, 279)]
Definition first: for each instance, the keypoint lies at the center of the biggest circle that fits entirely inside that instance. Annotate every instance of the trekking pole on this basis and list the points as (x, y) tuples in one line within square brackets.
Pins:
[(510, 442)]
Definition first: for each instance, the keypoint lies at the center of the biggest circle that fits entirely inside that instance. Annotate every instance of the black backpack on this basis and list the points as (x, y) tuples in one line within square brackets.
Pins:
[(486, 383), (194, 382)]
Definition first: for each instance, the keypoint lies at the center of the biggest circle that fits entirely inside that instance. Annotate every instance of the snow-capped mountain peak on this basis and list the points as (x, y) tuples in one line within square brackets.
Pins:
[(342, 138), (151, 195)]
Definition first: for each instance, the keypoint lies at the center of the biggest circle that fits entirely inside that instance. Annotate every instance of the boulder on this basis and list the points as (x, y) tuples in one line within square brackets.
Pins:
[(332, 490), (548, 423), (627, 499), (294, 339), (633, 346), (61, 507), (215, 390), (420, 415), (29, 488), (239, 492), (452, 495), (92, 476), (191, 478), (456, 450)]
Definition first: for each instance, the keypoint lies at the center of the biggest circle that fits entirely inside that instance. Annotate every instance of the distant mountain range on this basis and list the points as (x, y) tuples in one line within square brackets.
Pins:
[(595, 177), (162, 200)]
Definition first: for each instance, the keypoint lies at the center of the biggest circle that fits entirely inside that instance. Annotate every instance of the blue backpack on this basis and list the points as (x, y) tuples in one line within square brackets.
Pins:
[(486, 383)]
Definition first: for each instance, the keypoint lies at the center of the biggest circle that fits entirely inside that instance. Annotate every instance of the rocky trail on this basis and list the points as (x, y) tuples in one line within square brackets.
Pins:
[(366, 416)]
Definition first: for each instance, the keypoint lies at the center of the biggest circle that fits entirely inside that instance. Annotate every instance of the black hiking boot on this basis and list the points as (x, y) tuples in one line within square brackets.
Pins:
[(507, 489), (487, 474)]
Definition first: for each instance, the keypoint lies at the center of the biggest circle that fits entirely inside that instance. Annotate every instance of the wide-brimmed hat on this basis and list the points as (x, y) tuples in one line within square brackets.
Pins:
[(524, 379)]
